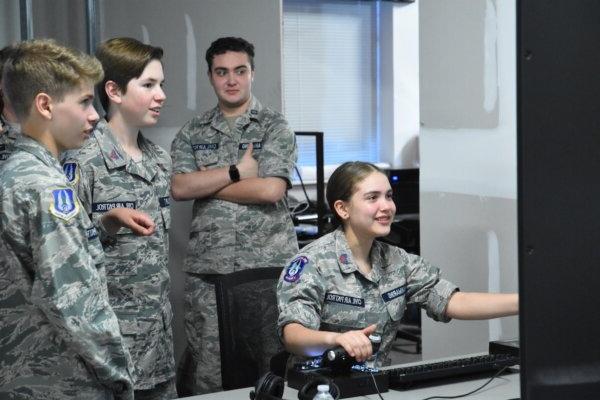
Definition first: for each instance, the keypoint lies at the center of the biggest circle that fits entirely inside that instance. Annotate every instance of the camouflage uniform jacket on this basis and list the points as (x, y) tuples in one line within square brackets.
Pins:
[(60, 337), (226, 236), (8, 136), (322, 289), (136, 267)]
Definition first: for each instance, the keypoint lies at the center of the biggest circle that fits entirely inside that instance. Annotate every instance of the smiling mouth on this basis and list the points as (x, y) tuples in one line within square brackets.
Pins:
[(156, 110)]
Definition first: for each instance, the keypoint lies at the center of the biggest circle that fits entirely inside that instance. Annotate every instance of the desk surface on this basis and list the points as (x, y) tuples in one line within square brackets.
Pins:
[(504, 387)]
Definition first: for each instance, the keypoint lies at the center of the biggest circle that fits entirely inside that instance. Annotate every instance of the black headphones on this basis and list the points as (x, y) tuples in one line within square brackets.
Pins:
[(270, 387)]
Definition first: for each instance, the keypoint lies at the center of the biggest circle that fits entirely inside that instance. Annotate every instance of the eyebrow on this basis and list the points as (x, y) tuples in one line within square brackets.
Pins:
[(234, 68)]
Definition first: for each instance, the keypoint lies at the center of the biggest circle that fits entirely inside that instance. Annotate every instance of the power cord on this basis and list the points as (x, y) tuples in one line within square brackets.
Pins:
[(375, 383), (497, 374), (472, 391), (310, 204)]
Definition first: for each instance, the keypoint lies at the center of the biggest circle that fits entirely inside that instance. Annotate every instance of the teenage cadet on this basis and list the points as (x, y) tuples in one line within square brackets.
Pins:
[(8, 121), (345, 285), (118, 166), (60, 337), (236, 162)]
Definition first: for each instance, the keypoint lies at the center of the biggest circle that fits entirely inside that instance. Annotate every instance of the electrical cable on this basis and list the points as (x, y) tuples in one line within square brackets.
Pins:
[(472, 391), (310, 204), (375, 383)]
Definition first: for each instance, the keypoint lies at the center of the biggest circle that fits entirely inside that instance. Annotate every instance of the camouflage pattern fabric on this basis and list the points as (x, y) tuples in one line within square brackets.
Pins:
[(322, 289), (136, 267), (202, 328), (59, 336), (8, 136), (225, 236)]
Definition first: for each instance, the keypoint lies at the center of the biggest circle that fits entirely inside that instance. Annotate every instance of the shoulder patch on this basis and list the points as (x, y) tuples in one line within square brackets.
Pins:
[(70, 170), (64, 204), (294, 270)]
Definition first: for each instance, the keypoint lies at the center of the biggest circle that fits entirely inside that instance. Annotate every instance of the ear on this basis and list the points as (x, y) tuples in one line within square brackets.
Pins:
[(341, 209), (113, 91), (43, 105)]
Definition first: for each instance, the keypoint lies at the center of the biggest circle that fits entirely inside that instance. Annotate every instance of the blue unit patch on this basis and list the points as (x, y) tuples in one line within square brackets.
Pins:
[(164, 201), (70, 170), (205, 146), (64, 204), (109, 205), (255, 146), (293, 271), (394, 293), (346, 300)]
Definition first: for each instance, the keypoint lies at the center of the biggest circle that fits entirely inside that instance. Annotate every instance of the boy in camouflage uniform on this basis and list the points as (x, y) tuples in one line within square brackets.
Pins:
[(236, 162), (60, 336), (116, 167), (8, 121)]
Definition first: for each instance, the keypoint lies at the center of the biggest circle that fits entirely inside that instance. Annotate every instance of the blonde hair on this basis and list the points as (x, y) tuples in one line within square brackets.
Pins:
[(44, 66)]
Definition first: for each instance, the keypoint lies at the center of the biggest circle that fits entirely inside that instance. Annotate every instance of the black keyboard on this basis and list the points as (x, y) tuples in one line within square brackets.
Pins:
[(404, 377)]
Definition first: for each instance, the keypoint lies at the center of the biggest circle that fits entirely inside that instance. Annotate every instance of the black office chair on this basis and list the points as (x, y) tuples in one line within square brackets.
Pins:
[(247, 311)]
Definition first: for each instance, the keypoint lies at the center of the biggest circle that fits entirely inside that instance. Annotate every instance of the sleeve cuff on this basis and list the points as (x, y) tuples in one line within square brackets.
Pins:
[(438, 300)]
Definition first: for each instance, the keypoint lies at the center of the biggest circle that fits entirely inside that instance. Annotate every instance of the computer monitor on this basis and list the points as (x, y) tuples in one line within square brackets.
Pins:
[(558, 129), (405, 188)]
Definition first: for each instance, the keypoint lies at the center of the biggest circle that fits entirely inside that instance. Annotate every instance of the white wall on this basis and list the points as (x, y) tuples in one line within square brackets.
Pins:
[(468, 159)]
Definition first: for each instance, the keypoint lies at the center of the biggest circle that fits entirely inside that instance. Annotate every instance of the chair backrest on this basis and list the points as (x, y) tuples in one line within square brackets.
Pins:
[(247, 308)]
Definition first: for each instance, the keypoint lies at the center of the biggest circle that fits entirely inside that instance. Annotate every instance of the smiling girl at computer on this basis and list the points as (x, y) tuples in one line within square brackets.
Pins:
[(346, 285)]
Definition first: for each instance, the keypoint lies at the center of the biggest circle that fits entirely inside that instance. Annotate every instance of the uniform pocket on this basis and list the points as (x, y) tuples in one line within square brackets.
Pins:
[(123, 255), (206, 158), (395, 301)]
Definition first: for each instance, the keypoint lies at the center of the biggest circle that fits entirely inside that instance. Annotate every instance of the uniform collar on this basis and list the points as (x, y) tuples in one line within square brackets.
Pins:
[(32, 146), (115, 157), (346, 261), (112, 152), (12, 132), (216, 118), (343, 252)]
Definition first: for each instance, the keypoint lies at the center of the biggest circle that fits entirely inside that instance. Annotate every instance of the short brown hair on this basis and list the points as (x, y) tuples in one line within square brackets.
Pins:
[(225, 44), (44, 66), (123, 59), (342, 182)]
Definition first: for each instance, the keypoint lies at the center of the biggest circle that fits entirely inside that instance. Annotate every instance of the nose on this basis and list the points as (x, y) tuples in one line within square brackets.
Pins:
[(93, 116), (387, 205), (231, 79), (160, 95)]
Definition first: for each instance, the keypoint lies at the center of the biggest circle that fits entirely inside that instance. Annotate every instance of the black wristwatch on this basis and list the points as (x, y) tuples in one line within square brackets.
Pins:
[(234, 173)]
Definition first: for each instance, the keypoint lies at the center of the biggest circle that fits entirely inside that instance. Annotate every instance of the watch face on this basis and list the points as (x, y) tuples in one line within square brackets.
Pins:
[(234, 174)]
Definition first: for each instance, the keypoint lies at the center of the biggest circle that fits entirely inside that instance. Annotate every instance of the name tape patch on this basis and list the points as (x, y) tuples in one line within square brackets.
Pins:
[(394, 293), (91, 233), (107, 206), (255, 146), (205, 146), (164, 201), (346, 300)]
